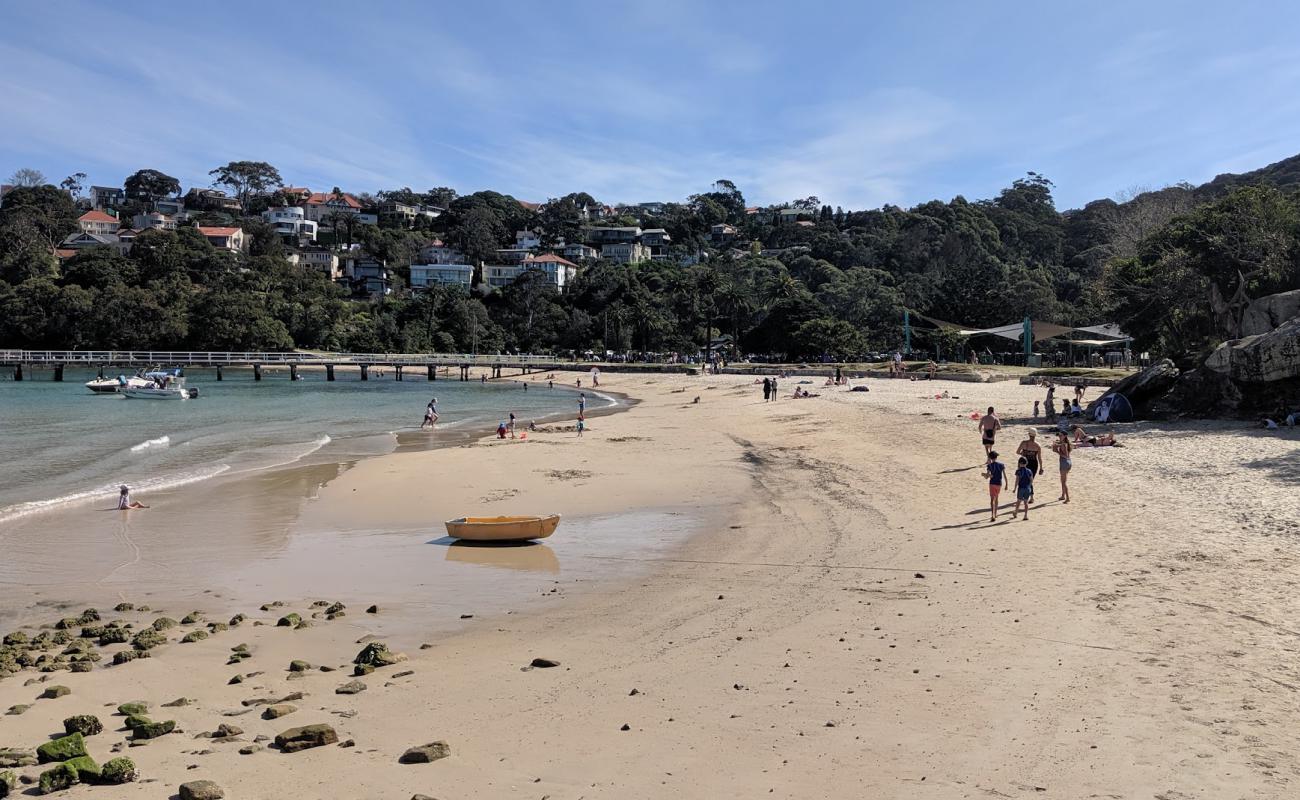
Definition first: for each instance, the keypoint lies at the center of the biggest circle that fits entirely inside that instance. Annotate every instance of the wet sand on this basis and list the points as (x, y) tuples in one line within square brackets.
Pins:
[(844, 622)]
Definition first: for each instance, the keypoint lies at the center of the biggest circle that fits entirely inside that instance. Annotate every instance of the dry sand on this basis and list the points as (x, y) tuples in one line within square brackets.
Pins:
[(805, 596)]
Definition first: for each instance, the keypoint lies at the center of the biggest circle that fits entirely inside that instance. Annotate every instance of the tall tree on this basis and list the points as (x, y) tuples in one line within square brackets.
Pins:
[(73, 184), (27, 177), (149, 185), (247, 178)]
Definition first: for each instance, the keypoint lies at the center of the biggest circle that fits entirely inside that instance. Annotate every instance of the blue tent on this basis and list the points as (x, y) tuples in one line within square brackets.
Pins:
[(1114, 407)]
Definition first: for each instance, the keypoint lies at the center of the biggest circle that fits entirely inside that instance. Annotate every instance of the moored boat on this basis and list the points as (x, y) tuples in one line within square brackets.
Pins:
[(502, 529), (161, 385), (115, 385)]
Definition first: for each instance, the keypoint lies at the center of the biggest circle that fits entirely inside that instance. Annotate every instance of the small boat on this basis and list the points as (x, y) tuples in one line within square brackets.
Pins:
[(115, 385), (166, 385), (502, 529)]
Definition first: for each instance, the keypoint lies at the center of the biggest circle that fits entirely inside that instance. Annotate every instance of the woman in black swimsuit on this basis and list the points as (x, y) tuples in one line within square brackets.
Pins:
[(1031, 450)]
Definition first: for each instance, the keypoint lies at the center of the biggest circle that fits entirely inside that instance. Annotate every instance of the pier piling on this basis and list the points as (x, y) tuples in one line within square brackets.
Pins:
[(293, 372), (257, 372), (433, 372), (18, 373), (58, 373), (397, 372), (329, 372), (218, 373), (365, 372)]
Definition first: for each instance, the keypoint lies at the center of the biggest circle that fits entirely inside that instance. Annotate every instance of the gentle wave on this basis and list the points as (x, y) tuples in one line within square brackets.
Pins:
[(312, 447), (109, 492), (161, 441)]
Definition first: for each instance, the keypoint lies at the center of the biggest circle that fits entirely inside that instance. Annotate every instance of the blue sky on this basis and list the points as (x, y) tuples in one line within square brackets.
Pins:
[(860, 103)]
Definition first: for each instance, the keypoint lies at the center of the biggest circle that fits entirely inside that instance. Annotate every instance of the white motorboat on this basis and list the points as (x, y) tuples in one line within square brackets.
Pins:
[(115, 385), (161, 385)]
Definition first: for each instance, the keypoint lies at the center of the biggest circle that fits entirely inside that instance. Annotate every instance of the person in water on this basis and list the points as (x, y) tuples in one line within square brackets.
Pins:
[(124, 501)]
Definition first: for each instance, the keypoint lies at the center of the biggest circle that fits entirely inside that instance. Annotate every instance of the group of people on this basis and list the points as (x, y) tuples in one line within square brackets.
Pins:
[(769, 389), (1029, 463)]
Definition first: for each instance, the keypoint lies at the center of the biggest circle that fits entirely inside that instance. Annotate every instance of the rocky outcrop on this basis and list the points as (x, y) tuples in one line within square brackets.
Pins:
[(61, 749), (1143, 388), (1264, 358), (1267, 313)]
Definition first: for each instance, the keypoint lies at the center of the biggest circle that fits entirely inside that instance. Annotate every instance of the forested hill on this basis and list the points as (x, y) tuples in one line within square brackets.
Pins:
[(1174, 266)]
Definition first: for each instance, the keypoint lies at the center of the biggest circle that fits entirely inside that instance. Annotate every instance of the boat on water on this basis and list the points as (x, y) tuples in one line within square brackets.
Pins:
[(161, 385), (115, 385), (502, 529)]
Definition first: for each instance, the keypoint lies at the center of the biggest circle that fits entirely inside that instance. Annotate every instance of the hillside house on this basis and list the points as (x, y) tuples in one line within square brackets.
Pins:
[(425, 275), (291, 223), (97, 222), (231, 239), (625, 252), (103, 197)]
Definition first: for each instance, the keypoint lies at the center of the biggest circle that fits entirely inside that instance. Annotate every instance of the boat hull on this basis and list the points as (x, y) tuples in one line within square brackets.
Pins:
[(155, 394), (502, 529)]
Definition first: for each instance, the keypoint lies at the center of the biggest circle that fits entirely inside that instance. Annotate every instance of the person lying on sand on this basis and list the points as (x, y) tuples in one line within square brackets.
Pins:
[(1082, 439), (124, 501)]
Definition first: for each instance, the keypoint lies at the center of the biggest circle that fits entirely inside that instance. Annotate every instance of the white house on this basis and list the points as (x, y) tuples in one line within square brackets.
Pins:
[(625, 252), (579, 251), (231, 239), (325, 261), (527, 240), (153, 220), (291, 221), (558, 271), (435, 252), (425, 275), (98, 222)]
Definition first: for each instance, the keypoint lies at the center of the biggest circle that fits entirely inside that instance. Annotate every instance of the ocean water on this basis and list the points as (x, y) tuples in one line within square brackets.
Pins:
[(61, 445)]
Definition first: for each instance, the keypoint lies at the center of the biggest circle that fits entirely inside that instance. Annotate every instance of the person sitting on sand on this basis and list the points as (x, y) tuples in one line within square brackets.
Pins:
[(124, 501), (1082, 439)]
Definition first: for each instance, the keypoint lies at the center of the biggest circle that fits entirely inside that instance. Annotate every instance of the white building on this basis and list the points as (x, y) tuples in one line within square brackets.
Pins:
[(325, 261), (435, 252), (579, 251), (527, 240), (558, 271), (153, 220), (98, 222), (625, 252), (224, 238), (425, 275), (291, 221)]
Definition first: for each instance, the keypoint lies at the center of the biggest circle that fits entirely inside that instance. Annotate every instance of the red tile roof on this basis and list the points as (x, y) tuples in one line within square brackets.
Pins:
[(434, 243), (551, 258), (323, 198), (218, 231), (97, 216), (63, 252), (530, 206)]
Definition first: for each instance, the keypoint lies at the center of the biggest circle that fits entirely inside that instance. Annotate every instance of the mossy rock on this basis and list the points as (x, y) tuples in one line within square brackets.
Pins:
[(194, 636), (124, 656), (122, 608), (290, 620), (15, 638), (85, 665), (66, 623), (163, 623), (298, 665), (362, 669), (192, 618), (133, 709), (84, 724), (61, 637), (114, 635), (153, 730), (61, 749), (238, 618), (234, 680), (134, 721), (377, 654), (91, 631), (117, 770), (217, 627), (57, 779), (304, 624), (8, 782), (85, 767), (148, 639), (17, 710), (52, 692)]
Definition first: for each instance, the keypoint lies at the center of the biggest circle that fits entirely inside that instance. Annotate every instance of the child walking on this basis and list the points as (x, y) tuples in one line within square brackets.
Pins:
[(1024, 487), (996, 472)]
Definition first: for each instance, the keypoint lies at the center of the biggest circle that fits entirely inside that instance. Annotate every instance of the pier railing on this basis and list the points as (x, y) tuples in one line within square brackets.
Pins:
[(165, 357)]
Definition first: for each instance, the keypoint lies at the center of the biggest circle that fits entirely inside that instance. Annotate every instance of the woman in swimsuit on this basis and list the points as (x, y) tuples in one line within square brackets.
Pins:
[(124, 501), (1062, 449), (1031, 450)]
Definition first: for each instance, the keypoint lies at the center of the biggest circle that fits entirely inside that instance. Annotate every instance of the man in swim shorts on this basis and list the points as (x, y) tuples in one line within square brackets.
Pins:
[(988, 427)]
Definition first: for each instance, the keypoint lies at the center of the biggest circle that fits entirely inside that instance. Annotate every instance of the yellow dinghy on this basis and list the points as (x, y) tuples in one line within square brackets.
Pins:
[(502, 529)]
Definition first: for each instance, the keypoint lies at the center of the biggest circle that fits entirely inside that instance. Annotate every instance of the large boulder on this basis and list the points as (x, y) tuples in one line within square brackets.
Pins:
[(61, 749), (425, 753), (1264, 358), (1143, 388), (306, 737), (118, 770), (201, 790), (1267, 313), (8, 783)]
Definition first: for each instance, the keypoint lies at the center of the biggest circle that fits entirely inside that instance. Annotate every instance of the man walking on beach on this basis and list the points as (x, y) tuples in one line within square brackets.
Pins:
[(767, 389), (988, 427), (774, 388)]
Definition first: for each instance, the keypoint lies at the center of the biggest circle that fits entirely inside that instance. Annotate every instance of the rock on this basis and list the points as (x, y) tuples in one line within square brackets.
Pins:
[(85, 665), (625, 727), (84, 724), (422, 797), (362, 669), (61, 749), (351, 687), (8, 783), (1264, 358), (372, 610), (201, 790), (57, 779), (177, 703), (225, 731), (217, 627), (289, 621), (118, 770), (235, 680), (406, 673), (308, 736), (298, 665), (136, 708), (55, 691), (194, 636), (163, 623), (16, 710), (15, 638), (1144, 388), (425, 753), (85, 767), (148, 639), (192, 618), (1269, 312), (235, 620), (122, 608), (125, 656), (152, 730), (278, 710), (377, 654), (134, 721), (335, 609), (10, 757), (304, 624), (543, 663), (249, 749), (348, 743)]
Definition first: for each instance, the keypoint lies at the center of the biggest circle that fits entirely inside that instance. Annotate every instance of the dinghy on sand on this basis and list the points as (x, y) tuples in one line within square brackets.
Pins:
[(502, 529)]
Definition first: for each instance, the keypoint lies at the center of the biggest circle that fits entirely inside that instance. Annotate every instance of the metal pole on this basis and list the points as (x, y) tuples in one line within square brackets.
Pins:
[(907, 332)]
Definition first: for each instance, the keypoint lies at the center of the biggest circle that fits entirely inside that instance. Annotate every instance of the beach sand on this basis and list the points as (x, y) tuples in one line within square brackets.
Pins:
[(796, 599)]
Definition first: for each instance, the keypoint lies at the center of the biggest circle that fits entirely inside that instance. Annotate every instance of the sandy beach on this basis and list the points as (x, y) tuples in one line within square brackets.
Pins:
[(798, 599)]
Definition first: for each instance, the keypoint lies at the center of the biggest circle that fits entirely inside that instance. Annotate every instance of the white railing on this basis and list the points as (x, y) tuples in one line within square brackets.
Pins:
[(215, 359)]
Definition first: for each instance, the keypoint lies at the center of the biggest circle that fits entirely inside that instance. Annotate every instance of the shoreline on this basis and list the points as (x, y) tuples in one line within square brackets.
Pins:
[(844, 620)]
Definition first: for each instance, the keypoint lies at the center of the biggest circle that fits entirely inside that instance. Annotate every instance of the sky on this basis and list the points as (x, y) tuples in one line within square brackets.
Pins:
[(858, 103)]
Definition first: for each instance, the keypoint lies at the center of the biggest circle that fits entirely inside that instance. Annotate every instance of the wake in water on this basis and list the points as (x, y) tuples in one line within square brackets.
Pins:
[(162, 441)]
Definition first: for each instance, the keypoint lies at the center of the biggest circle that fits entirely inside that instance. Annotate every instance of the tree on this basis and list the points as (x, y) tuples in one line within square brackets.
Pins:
[(830, 339), (27, 177), (150, 185), (73, 184), (247, 178), (440, 196), (33, 221)]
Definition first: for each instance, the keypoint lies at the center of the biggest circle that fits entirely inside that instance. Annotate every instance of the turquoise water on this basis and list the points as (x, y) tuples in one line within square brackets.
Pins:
[(61, 445)]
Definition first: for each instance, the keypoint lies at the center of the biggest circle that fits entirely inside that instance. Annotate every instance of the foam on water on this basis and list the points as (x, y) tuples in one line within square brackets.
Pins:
[(161, 441)]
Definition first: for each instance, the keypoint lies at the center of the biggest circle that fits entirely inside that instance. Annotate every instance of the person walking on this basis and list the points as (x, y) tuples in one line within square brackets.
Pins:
[(989, 426), (1032, 453), (767, 389), (774, 389), (1062, 449), (996, 472), (582, 403), (1050, 403), (512, 425), (1024, 488)]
